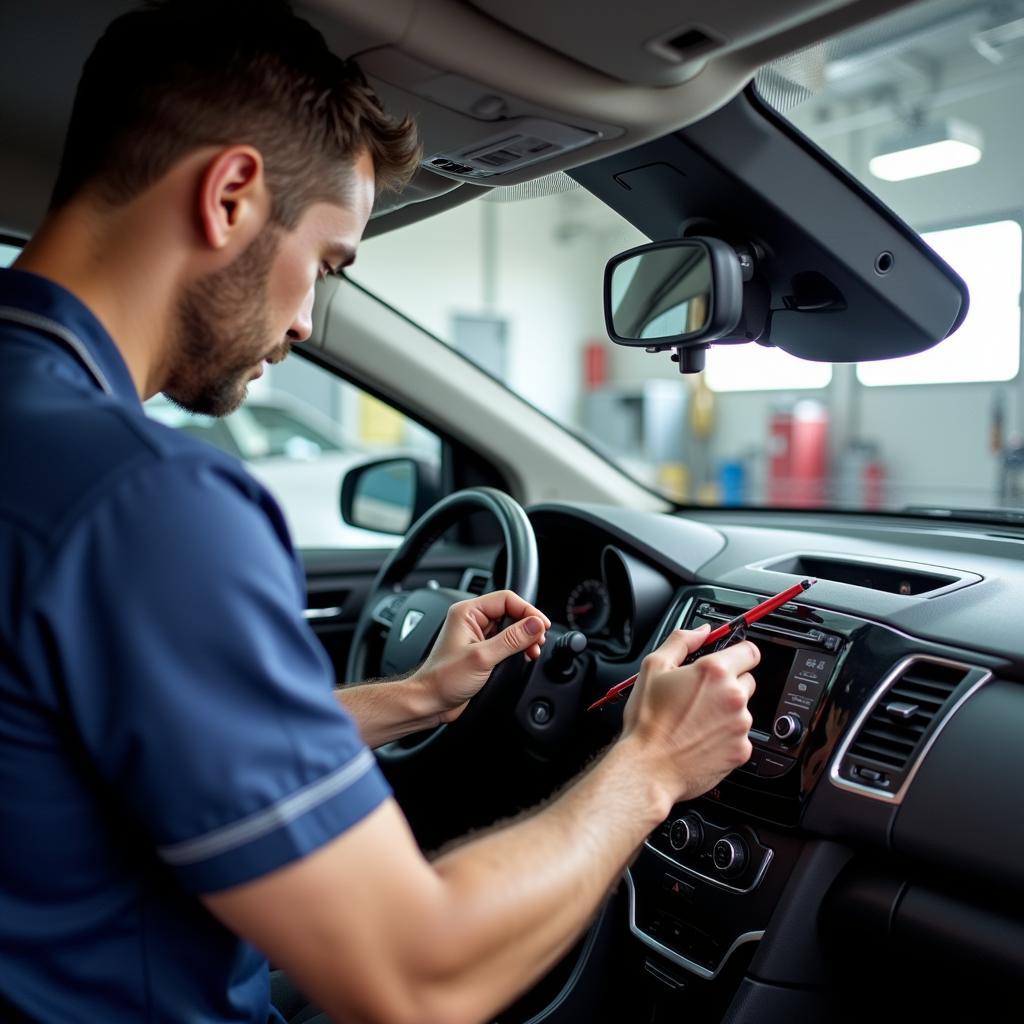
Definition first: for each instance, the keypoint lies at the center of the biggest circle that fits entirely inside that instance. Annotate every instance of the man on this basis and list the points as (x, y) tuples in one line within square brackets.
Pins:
[(177, 779)]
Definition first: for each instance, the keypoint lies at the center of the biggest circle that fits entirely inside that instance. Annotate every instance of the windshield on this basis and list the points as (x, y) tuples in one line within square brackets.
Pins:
[(922, 107)]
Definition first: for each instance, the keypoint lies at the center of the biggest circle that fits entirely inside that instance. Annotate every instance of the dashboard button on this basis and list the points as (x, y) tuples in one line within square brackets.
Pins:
[(753, 764), (677, 887), (541, 712)]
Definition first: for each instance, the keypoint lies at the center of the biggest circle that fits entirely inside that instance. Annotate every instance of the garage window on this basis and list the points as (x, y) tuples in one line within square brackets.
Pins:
[(987, 345), (755, 368)]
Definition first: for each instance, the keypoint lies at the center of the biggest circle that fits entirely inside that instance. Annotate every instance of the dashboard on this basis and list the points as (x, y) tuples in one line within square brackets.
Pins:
[(874, 844), (887, 725)]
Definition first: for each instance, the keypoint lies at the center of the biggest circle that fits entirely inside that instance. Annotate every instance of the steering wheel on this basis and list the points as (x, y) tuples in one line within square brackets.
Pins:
[(397, 627)]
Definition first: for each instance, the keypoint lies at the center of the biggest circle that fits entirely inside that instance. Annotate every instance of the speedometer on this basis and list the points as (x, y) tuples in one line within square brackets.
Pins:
[(588, 606)]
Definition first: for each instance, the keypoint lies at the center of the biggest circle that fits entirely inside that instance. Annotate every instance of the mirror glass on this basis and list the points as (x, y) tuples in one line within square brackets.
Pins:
[(662, 293), (385, 496)]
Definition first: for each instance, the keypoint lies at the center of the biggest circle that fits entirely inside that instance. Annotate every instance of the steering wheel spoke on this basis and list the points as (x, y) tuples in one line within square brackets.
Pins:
[(398, 627), (387, 608)]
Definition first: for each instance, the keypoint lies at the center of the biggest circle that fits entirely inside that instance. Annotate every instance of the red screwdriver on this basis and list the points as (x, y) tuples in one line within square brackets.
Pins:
[(759, 611)]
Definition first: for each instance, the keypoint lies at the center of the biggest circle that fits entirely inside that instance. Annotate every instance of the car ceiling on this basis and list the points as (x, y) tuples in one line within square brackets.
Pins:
[(599, 84)]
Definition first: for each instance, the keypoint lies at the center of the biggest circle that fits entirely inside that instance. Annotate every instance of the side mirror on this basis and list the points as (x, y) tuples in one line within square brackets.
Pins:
[(388, 495), (681, 294)]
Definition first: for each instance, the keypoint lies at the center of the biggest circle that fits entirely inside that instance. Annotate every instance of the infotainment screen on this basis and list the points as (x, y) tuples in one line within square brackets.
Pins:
[(770, 676), (792, 675), (789, 680)]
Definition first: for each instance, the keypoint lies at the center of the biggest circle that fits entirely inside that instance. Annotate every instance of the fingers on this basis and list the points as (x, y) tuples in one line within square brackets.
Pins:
[(500, 603), (738, 659), (747, 681), (526, 635), (678, 644)]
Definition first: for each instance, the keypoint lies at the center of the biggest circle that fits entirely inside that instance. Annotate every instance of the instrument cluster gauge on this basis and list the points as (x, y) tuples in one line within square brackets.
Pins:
[(588, 607)]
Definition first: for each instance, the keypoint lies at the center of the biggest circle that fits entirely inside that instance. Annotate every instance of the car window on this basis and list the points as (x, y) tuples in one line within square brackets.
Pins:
[(761, 427), (300, 431), (283, 433)]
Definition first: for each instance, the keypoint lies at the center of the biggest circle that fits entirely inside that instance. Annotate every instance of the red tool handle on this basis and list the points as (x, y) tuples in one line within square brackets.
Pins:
[(759, 611)]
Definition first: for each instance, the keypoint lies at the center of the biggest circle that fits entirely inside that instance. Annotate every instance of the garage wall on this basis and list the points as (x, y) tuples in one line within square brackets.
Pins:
[(552, 303), (935, 438)]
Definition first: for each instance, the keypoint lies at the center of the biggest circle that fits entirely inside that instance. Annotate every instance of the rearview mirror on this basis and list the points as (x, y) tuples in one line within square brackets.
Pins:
[(675, 294)]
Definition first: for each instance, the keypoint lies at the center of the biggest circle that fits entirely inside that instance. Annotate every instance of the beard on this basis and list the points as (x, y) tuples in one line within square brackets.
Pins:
[(222, 332)]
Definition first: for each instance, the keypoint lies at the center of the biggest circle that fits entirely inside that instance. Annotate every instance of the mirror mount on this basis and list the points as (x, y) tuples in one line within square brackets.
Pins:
[(691, 358)]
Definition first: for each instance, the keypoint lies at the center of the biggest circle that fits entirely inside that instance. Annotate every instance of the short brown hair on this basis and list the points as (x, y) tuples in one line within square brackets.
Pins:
[(176, 75)]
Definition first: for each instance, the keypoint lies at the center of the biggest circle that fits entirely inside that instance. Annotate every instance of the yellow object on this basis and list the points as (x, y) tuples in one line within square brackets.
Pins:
[(674, 480), (379, 423), (709, 494), (702, 407)]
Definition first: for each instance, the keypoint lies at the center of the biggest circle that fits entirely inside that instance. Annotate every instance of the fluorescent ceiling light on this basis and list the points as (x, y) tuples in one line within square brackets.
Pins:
[(931, 148)]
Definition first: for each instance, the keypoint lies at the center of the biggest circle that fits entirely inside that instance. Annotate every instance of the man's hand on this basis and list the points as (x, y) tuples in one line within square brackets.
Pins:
[(374, 933), (694, 720), (470, 647)]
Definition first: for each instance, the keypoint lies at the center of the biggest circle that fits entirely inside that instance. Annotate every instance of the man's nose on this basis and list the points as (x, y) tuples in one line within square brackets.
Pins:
[(302, 326)]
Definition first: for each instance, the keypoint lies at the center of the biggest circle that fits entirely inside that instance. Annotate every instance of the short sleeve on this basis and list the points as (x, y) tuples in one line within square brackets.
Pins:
[(170, 618)]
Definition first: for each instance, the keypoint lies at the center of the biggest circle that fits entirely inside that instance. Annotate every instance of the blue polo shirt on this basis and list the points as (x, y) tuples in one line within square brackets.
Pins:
[(167, 720)]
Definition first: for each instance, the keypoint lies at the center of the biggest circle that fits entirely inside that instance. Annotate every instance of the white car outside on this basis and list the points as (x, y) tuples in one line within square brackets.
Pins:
[(297, 454)]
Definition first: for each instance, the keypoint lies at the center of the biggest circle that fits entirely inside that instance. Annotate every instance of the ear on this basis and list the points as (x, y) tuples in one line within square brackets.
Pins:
[(233, 201)]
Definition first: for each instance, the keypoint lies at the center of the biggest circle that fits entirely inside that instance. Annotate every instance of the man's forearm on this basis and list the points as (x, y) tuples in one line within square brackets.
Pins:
[(521, 895), (389, 709)]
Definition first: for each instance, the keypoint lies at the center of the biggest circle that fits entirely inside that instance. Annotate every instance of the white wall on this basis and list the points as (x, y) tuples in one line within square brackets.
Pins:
[(934, 439), (543, 277)]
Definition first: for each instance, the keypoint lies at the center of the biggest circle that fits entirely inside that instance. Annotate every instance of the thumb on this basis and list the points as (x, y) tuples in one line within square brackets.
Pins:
[(518, 637)]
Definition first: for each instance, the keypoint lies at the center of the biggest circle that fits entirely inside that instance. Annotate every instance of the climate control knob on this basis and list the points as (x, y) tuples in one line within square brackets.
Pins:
[(686, 833), (730, 854), (787, 728)]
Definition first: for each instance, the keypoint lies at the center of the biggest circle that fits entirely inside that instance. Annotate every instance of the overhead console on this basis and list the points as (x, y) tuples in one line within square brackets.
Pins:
[(506, 93)]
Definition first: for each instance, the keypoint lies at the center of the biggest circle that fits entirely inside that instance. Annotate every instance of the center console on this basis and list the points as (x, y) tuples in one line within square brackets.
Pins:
[(707, 880)]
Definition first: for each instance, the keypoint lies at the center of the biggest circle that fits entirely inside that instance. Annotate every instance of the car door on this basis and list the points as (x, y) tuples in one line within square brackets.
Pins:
[(342, 559)]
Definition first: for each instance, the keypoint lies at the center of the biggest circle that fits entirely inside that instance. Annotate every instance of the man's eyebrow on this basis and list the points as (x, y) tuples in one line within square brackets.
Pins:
[(341, 255)]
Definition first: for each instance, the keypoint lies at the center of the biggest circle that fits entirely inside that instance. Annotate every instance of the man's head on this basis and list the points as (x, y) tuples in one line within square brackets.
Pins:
[(274, 126)]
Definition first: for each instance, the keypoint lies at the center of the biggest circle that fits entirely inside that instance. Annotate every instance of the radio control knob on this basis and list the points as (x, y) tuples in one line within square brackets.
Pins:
[(730, 855), (787, 728), (686, 833)]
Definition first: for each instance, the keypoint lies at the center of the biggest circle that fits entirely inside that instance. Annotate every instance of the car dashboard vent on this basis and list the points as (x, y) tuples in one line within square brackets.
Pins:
[(889, 739), (475, 581)]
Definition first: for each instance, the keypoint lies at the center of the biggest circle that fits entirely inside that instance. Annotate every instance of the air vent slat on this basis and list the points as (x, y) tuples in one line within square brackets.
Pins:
[(877, 736), (883, 731), (888, 741), (916, 697), (889, 760), (920, 687), (868, 749), (475, 582)]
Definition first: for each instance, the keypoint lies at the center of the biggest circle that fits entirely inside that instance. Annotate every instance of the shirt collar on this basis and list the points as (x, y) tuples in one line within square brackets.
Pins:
[(41, 297)]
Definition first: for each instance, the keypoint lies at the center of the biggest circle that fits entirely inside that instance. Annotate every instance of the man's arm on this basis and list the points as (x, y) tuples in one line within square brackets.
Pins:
[(461, 661), (375, 933)]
